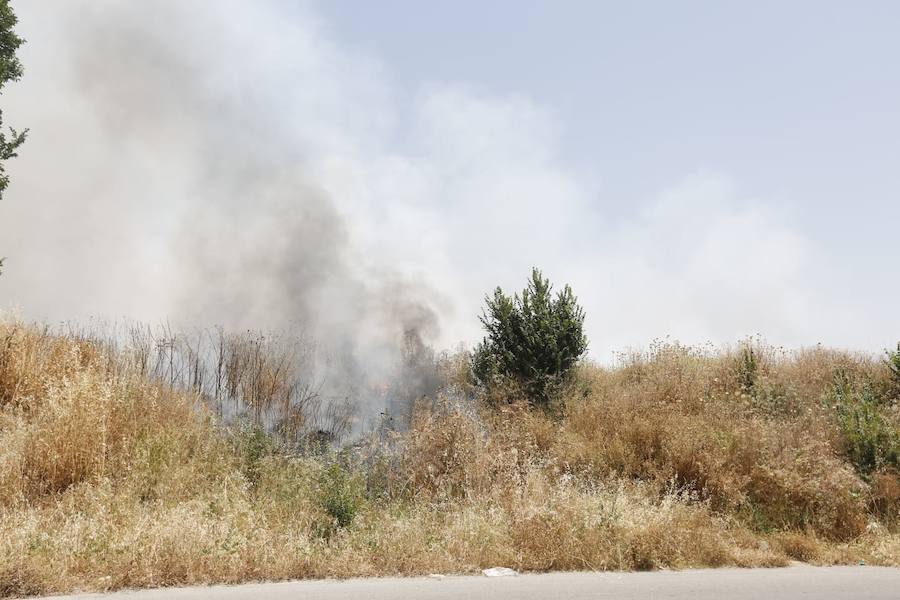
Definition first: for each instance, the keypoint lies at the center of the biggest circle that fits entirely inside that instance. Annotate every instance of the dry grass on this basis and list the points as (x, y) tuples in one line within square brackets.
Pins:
[(110, 479)]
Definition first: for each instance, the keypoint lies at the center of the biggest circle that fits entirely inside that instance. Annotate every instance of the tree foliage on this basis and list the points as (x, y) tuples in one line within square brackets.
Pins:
[(533, 339), (10, 70)]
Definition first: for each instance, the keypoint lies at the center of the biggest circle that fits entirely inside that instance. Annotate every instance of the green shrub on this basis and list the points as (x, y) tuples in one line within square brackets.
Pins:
[(871, 441), (533, 340), (893, 364), (747, 369), (255, 444), (342, 494)]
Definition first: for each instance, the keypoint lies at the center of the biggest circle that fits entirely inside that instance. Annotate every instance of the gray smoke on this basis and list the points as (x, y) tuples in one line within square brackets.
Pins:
[(175, 183)]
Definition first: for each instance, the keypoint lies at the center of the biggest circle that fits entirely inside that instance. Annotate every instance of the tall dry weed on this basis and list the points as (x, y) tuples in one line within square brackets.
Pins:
[(112, 477)]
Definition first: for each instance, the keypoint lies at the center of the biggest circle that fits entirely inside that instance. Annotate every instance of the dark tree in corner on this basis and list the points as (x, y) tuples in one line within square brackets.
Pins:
[(10, 70)]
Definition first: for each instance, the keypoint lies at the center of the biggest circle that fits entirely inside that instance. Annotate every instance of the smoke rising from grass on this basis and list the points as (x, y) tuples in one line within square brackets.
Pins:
[(257, 242), (240, 166), (184, 190)]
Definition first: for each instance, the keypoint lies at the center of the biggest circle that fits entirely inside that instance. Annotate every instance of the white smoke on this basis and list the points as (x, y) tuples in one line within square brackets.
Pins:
[(239, 166)]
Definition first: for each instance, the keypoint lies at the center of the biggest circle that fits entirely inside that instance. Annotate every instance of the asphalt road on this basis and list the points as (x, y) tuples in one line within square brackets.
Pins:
[(819, 583)]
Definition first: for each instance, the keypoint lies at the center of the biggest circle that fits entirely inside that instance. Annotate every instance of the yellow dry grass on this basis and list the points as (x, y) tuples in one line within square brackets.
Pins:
[(109, 480)]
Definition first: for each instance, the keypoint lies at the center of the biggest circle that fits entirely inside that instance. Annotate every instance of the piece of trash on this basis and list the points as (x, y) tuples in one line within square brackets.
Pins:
[(436, 576), (862, 563), (499, 572)]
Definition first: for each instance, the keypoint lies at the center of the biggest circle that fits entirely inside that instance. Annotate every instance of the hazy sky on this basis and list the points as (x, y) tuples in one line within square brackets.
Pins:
[(703, 170)]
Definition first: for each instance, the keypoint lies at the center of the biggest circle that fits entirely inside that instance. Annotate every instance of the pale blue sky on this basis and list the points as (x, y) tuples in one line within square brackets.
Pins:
[(798, 101)]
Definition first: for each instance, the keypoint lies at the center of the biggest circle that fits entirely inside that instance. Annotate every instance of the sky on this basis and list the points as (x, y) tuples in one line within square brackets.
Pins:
[(704, 171)]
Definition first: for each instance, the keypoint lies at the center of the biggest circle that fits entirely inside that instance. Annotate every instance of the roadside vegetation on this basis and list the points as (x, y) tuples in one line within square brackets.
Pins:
[(115, 472), (142, 458)]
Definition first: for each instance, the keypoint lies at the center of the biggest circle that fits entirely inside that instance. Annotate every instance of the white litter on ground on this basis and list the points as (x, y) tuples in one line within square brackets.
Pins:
[(499, 572)]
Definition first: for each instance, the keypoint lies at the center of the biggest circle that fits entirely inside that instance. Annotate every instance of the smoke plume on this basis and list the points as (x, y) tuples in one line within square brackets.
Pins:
[(179, 186), (233, 164), (198, 185)]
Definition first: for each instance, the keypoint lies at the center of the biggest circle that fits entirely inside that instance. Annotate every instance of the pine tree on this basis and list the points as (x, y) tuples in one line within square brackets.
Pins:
[(533, 339)]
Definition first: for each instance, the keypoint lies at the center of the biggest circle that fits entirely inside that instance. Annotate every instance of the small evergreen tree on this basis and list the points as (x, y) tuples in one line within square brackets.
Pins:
[(534, 339), (10, 70)]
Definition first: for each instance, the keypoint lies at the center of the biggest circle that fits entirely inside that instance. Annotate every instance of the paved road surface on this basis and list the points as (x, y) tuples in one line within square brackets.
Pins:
[(819, 583)]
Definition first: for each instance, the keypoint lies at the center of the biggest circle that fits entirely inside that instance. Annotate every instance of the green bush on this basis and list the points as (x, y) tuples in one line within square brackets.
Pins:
[(747, 369), (254, 445), (533, 340), (342, 494), (893, 364), (871, 441)]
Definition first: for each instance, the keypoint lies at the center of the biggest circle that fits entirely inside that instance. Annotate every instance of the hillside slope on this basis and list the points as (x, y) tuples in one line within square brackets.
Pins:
[(678, 457)]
